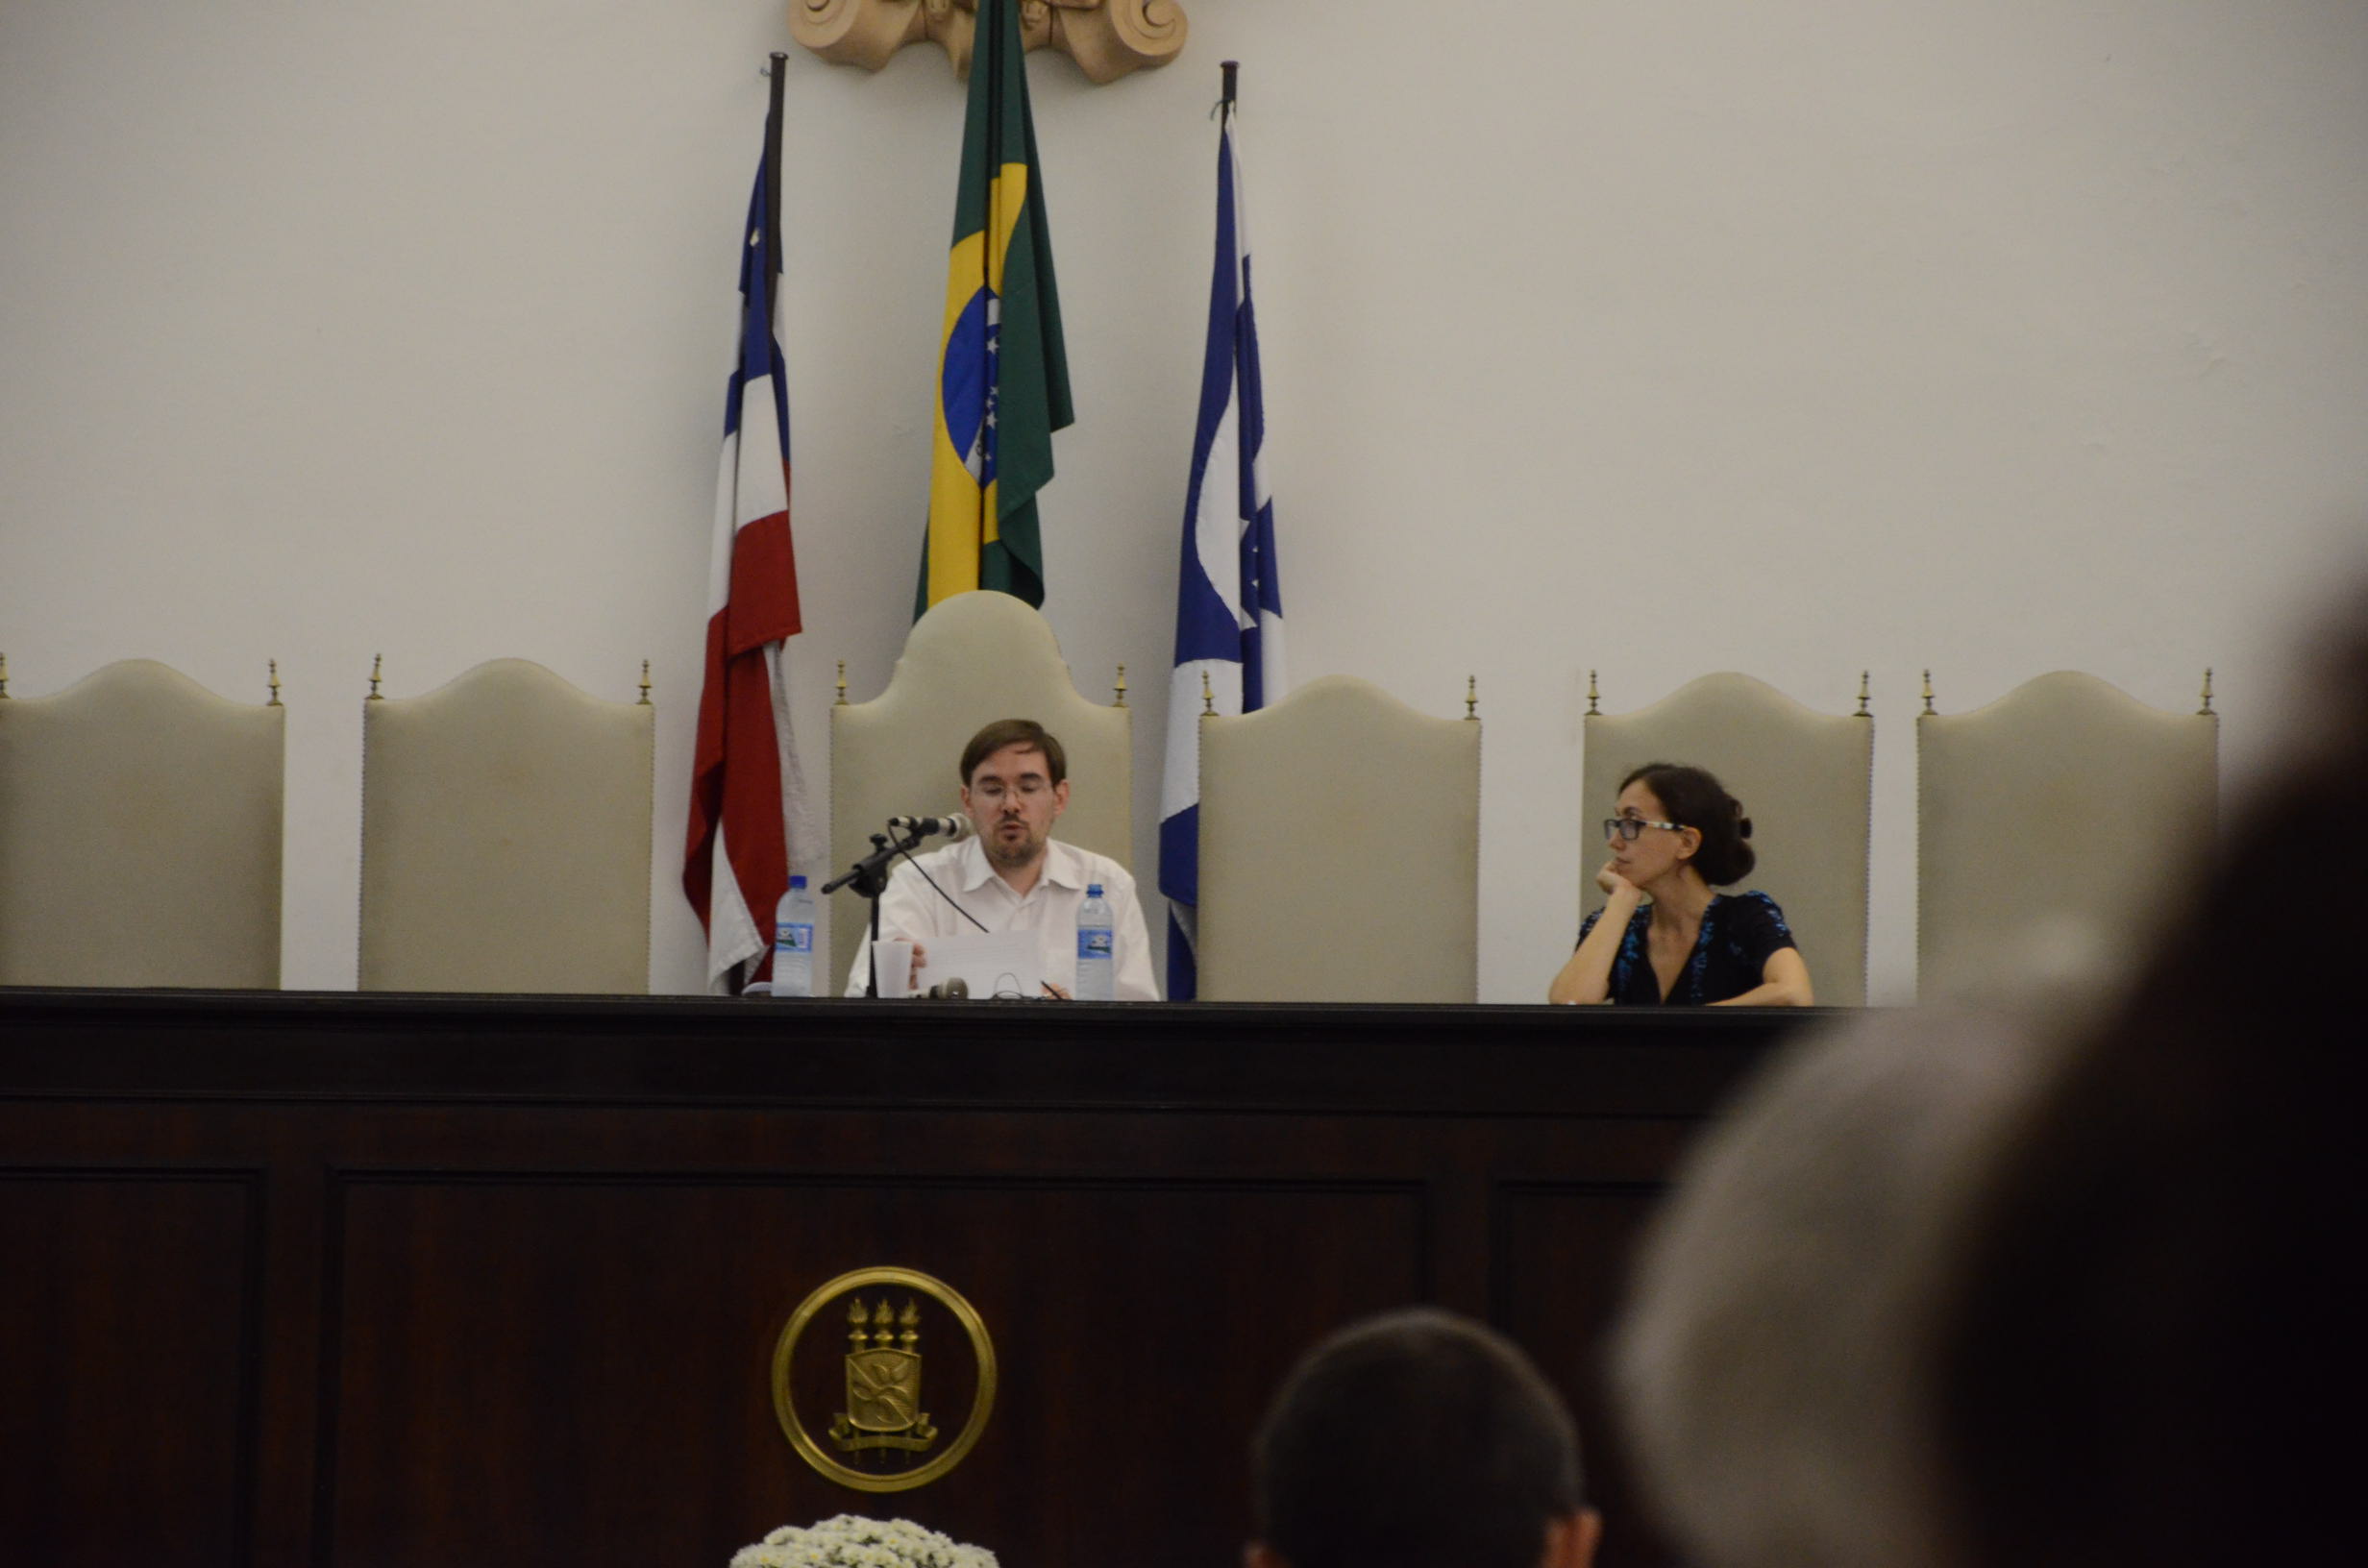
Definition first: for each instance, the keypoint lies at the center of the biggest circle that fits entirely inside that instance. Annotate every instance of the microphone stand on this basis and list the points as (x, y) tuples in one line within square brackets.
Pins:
[(869, 877)]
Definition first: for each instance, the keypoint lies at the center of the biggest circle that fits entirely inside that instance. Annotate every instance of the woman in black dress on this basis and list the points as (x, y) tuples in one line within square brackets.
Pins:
[(1662, 935)]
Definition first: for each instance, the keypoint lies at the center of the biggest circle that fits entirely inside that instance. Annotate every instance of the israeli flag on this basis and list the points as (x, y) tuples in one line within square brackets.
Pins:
[(1229, 604)]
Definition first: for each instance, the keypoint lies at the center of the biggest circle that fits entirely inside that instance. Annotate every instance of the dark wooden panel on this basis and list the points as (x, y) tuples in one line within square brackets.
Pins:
[(1562, 1259), (127, 1308), (527, 1256), (576, 1370)]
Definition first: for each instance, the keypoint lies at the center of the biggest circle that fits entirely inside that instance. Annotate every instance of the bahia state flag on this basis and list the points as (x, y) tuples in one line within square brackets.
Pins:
[(1003, 381), (749, 821), (1229, 603)]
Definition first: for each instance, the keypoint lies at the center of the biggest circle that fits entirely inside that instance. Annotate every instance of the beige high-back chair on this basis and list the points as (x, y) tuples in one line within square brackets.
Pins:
[(1806, 781), (2059, 815), (506, 837), (1340, 851), (971, 660), (139, 834)]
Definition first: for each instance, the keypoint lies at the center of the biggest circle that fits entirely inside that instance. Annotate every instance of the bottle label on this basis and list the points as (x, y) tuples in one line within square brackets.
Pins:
[(1094, 941), (793, 937)]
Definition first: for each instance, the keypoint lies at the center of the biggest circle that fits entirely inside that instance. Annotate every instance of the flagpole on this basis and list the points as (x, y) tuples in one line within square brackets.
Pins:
[(772, 190), (748, 824), (772, 261), (1225, 577)]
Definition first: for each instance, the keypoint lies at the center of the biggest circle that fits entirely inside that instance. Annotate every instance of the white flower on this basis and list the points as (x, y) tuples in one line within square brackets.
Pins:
[(852, 1541)]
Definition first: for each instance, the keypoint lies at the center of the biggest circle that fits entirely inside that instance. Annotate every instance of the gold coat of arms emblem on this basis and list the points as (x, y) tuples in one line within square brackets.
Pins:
[(883, 1383), (873, 1417)]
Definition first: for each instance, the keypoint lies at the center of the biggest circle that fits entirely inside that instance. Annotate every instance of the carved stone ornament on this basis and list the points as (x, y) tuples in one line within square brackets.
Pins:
[(1107, 39)]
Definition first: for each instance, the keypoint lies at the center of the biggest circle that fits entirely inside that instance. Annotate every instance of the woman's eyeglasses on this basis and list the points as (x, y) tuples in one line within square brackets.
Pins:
[(1629, 830)]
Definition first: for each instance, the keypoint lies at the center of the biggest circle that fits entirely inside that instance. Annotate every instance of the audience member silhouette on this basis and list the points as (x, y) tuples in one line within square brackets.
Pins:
[(1418, 1439)]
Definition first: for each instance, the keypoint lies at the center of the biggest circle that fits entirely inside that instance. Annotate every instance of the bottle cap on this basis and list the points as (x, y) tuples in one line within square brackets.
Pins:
[(1093, 889), (796, 881)]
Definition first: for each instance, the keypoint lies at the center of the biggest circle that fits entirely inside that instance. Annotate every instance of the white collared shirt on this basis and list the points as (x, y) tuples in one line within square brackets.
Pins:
[(910, 911)]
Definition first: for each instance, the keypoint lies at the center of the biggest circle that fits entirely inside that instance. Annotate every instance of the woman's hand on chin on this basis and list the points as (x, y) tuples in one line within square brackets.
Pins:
[(1613, 883)]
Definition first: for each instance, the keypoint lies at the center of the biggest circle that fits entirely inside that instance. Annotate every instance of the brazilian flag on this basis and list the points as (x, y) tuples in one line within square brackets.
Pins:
[(1003, 382)]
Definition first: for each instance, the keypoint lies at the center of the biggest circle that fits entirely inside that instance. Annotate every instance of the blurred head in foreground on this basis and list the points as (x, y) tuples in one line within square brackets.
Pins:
[(1418, 1439), (1946, 1292), (2145, 1333), (1766, 1365)]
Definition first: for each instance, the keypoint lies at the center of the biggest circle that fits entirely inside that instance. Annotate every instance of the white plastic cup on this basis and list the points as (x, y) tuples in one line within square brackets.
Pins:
[(896, 968)]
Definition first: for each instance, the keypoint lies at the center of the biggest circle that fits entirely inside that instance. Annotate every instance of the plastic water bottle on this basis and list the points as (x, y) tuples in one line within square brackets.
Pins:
[(793, 942), (1097, 964)]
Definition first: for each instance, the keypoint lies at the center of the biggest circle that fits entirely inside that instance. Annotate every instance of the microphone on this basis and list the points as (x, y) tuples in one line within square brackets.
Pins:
[(922, 827)]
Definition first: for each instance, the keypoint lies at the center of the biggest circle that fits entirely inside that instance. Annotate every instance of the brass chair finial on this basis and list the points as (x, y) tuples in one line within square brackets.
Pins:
[(378, 662), (1864, 692), (1122, 698), (1928, 695), (1208, 695), (1472, 698), (842, 701), (1592, 712), (4, 676), (275, 683), (645, 683), (2204, 712)]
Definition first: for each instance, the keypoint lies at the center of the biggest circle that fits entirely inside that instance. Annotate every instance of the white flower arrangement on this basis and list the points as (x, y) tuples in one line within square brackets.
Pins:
[(852, 1541)]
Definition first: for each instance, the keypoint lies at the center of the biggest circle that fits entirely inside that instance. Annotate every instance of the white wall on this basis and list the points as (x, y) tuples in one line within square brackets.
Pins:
[(1994, 335)]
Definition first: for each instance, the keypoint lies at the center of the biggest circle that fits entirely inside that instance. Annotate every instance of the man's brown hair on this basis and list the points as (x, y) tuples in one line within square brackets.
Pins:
[(1411, 1440), (1021, 733)]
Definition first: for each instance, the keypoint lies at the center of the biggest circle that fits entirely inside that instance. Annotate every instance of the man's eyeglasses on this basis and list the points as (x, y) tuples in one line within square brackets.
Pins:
[(1629, 830), (992, 791)]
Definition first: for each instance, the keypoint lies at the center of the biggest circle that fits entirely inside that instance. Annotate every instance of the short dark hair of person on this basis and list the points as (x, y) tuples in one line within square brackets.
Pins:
[(1415, 1439), (1022, 732), (2147, 1353), (1695, 799)]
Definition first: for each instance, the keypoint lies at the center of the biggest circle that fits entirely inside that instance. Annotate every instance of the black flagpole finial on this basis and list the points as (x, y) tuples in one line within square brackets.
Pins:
[(1230, 67)]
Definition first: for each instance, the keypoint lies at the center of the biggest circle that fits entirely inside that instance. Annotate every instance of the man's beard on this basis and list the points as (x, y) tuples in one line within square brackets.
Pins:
[(1011, 855)]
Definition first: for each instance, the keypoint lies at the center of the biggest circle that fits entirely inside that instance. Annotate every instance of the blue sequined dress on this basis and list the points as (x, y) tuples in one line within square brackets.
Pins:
[(1730, 954)]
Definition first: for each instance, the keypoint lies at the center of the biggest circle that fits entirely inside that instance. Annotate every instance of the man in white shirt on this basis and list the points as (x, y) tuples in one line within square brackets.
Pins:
[(1014, 875)]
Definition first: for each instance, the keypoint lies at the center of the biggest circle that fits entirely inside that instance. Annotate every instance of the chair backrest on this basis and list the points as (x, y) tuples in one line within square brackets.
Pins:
[(139, 834), (2063, 812), (974, 659), (1805, 779), (506, 837), (1340, 851)]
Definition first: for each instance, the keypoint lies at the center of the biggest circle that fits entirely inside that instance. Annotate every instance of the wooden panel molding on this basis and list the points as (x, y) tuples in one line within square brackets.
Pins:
[(130, 1302), (1561, 1265)]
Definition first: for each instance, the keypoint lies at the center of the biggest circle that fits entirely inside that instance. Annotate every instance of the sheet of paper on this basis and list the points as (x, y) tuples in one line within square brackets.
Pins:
[(1003, 963)]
